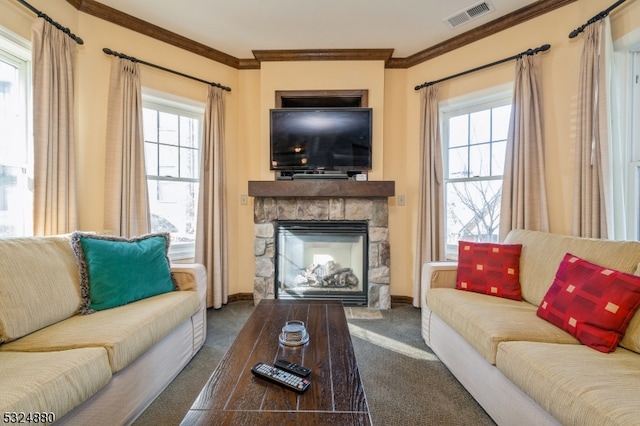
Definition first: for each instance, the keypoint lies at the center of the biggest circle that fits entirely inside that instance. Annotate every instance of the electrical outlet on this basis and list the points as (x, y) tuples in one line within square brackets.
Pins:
[(244, 200), (401, 200)]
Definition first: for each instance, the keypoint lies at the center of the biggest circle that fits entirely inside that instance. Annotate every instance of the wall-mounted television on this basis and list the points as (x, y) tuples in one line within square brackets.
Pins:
[(321, 139)]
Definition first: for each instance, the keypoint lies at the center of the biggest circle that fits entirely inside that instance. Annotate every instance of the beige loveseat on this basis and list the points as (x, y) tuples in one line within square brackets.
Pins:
[(522, 369), (100, 369)]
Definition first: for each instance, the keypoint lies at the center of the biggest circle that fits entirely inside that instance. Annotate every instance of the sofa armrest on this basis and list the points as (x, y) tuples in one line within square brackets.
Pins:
[(190, 277), (438, 275), (434, 275)]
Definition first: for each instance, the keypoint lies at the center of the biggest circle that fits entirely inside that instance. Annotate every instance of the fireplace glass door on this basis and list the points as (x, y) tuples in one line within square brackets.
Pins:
[(322, 260)]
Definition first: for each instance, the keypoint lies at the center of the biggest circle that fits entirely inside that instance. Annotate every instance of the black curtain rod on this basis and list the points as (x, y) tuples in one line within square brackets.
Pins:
[(596, 18), (542, 48), (131, 58), (65, 30)]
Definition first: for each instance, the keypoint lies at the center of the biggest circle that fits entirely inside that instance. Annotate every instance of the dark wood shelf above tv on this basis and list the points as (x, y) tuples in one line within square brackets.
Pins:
[(322, 188)]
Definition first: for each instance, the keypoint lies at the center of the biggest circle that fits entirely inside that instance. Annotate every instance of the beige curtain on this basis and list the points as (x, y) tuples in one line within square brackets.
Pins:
[(211, 229), (592, 171), (126, 204), (524, 197), (54, 192), (430, 226)]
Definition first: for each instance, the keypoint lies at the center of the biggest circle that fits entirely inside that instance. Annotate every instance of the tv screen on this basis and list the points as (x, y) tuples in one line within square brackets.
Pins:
[(321, 139)]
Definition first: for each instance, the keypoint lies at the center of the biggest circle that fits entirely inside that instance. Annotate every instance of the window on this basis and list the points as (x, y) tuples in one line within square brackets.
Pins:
[(474, 142), (172, 134), (633, 224), (16, 160), (625, 141)]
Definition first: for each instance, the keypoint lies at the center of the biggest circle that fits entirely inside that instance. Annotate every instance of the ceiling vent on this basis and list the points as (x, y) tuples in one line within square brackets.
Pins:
[(469, 14)]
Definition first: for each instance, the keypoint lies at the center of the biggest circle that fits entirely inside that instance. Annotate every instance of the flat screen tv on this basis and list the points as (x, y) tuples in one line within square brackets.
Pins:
[(307, 139)]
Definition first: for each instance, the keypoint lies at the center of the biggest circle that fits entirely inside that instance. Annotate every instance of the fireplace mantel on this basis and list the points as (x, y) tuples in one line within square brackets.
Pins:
[(318, 188)]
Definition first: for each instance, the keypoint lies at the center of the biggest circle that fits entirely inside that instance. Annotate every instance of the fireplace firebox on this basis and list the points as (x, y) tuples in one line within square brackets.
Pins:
[(322, 260)]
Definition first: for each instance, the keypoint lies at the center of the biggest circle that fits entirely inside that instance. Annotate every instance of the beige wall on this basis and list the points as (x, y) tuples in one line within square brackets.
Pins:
[(391, 95)]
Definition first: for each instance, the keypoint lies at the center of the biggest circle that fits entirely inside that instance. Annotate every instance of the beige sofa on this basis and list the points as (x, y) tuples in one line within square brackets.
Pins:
[(104, 368), (520, 368)]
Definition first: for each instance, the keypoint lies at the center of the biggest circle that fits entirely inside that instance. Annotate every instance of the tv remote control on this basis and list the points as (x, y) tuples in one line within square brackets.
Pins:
[(292, 368), (280, 377)]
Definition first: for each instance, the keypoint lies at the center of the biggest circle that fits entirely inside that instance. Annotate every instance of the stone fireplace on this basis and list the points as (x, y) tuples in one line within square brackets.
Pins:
[(324, 260), (308, 202)]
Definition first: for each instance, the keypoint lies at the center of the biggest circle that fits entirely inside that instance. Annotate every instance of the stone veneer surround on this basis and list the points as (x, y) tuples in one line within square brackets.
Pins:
[(268, 210)]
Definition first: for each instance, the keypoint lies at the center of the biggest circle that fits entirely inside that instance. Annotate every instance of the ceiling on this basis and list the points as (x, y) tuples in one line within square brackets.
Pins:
[(239, 27)]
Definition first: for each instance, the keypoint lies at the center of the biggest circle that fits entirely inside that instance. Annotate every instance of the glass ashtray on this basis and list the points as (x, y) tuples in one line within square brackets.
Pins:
[(294, 333)]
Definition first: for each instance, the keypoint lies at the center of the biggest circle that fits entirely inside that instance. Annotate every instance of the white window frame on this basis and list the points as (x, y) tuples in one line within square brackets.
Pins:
[(477, 101), (172, 104), (16, 50)]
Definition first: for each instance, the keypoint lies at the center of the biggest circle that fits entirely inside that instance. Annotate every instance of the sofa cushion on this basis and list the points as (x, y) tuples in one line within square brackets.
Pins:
[(51, 381), (489, 268), (35, 273), (115, 271), (484, 322), (592, 303), (542, 253), (577, 385), (125, 332)]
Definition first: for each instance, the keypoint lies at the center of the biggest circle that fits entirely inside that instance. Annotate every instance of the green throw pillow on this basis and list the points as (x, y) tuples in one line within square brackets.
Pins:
[(115, 271)]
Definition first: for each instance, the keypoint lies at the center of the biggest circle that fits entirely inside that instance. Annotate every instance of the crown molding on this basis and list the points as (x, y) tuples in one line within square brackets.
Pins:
[(132, 23), (324, 55), (122, 19), (490, 28)]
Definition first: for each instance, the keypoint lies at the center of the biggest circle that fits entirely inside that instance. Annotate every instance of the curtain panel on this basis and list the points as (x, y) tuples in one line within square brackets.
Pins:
[(126, 204), (54, 192), (430, 226), (592, 192), (524, 197), (211, 229)]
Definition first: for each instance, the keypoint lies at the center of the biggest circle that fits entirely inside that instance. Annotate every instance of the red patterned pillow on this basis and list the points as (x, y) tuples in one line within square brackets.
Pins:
[(489, 268), (592, 303)]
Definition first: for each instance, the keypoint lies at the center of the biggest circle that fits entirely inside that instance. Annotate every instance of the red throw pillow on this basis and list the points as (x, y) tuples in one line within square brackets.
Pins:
[(489, 268), (592, 303)]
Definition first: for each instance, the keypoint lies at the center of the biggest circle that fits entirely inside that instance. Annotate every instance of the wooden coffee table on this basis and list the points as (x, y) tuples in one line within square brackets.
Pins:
[(234, 396)]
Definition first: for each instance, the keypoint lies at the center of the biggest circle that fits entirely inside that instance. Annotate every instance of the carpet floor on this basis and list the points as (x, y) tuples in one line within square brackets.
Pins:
[(404, 381)]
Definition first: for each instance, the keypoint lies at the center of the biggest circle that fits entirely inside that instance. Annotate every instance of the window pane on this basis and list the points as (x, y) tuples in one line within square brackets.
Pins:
[(16, 202), (150, 124), (458, 131), (473, 211), (168, 128), (458, 163), (480, 123), (173, 208), (479, 160), (151, 158), (498, 152), (189, 163), (500, 125), (168, 161), (189, 135)]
